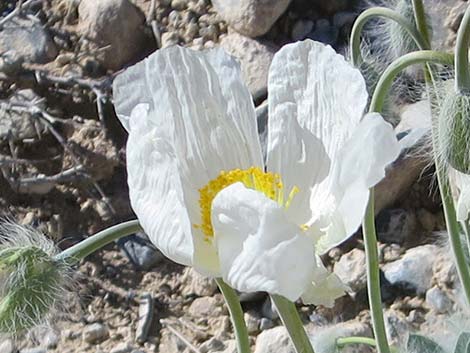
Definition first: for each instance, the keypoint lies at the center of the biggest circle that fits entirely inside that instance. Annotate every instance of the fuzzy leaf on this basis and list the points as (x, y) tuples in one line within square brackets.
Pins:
[(422, 344), (463, 343)]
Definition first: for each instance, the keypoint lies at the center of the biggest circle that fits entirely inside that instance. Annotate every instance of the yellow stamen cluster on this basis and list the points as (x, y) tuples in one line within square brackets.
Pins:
[(254, 178)]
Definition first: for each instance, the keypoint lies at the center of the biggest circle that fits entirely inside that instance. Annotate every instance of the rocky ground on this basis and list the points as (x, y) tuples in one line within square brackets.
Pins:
[(62, 163)]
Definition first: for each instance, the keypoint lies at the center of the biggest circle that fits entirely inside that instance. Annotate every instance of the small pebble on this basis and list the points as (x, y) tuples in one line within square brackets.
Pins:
[(265, 324), (95, 333), (124, 347), (438, 300), (252, 323)]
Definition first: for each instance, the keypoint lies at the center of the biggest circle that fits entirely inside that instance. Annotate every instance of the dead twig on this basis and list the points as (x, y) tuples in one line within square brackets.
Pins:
[(41, 183), (183, 339), (6, 161), (48, 120), (19, 7)]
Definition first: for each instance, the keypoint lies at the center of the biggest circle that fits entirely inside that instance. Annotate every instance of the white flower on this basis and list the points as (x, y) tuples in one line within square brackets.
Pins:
[(200, 187)]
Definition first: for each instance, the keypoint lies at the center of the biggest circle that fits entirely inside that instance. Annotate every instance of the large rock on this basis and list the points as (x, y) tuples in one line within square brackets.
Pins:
[(414, 271), (26, 41), (255, 58), (252, 18), (197, 284), (274, 340), (351, 269), (116, 27), (396, 326), (438, 300), (445, 17)]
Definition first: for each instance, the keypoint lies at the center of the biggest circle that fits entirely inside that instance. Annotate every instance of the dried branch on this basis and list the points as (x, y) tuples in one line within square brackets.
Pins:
[(48, 120), (183, 339), (6, 161), (19, 7), (43, 183)]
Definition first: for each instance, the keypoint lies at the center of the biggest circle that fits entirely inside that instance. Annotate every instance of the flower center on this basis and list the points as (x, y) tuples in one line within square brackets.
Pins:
[(255, 178)]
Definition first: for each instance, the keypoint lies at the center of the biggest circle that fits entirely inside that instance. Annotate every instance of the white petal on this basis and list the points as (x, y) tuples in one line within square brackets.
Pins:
[(259, 248), (462, 182), (298, 156), (155, 189), (325, 288), (360, 165), (326, 97), (199, 102), (202, 97), (463, 205)]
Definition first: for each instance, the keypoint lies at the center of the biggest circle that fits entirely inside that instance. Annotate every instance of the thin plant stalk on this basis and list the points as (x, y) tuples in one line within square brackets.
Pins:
[(370, 237), (373, 277), (355, 43), (81, 250), (236, 315), (346, 341), (421, 23), (383, 86), (88, 246), (292, 322), (462, 72)]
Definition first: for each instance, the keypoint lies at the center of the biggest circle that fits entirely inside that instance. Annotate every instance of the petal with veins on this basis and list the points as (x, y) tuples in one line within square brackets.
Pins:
[(360, 165), (326, 97), (197, 100), (155, 189)]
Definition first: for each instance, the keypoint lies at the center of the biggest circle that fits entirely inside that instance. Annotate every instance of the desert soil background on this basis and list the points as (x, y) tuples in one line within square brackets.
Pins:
[(62, 162)]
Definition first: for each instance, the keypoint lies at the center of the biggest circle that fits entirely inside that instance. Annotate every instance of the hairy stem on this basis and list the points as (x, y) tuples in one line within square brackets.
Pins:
[(373, 277), (236, 315), (421, 24), (291, 320), (462, 72), (400, 64), (97, 241), (355, 44), (427, 57), (370, 238)]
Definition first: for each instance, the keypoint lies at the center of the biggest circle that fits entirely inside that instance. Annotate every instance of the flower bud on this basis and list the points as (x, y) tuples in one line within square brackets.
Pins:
[(31, 281), (454, 131)]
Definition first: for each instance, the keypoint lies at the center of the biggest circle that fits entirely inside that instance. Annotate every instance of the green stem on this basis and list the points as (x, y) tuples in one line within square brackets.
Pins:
[(462, 73), (452, 224), (344, 341), (355, 45), (373, 277), (91, 244), (236, 315), (386, 80), (421, 23), (466, 230), (370, 238), (426, 57), (291, 320)]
